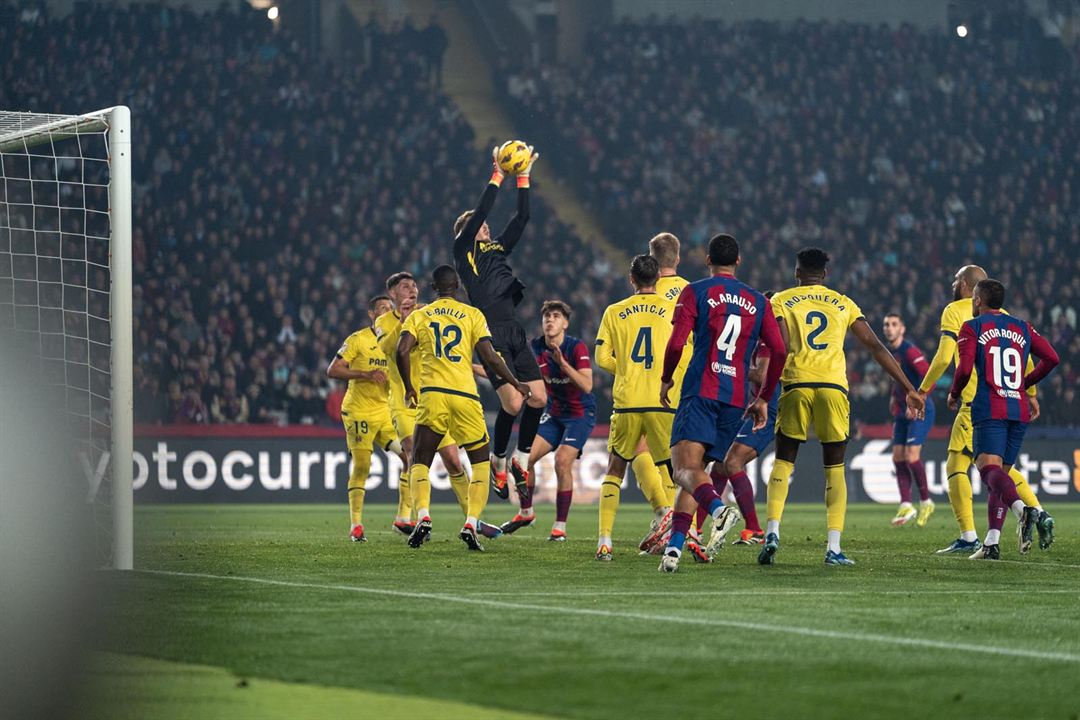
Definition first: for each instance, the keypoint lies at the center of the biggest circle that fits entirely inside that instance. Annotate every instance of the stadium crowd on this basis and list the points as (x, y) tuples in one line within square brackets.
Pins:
[(904, 154), (275, 190), (273, 194)]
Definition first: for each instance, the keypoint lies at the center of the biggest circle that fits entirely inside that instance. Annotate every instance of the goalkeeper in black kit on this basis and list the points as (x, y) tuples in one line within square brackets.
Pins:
[(484, 267)]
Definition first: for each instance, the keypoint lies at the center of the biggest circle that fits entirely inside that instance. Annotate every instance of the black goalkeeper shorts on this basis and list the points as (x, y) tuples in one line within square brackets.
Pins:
[(509, 340)]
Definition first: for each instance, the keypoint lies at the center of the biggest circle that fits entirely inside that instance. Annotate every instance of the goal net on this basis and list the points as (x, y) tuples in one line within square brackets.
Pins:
[(65, 290)]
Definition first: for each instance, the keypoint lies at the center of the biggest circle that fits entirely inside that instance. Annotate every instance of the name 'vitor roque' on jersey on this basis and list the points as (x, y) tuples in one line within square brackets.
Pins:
[(998, 346), (727, 316)]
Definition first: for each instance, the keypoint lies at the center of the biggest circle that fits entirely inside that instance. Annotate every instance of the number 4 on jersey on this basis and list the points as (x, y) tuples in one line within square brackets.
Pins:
[(643, 350), (729, 337)]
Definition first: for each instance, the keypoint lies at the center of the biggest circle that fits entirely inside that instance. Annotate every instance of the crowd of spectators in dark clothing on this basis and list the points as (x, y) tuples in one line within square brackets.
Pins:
[(273, 194), (274, 190), (905, 154)]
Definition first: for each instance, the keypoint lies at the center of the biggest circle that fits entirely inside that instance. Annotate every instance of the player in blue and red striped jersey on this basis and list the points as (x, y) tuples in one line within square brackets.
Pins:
[(728, 319), (569, 417), (997, 347), (909, 434)]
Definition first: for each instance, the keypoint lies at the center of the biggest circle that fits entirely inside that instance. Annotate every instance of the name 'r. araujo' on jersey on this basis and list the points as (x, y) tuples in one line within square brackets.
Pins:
[(727, 317)]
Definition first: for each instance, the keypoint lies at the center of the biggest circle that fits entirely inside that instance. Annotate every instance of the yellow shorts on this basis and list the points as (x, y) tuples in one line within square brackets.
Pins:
[(453, 416), (363, 432), (825, 408), (960, 439), (627, 429), (405, 423)]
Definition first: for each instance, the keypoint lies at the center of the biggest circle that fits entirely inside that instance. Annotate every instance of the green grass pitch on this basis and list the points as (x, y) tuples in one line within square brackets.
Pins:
[(268, 612)]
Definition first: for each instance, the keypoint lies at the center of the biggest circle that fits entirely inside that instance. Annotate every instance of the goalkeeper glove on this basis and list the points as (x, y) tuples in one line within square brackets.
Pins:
[(523, 176), (496, 171)]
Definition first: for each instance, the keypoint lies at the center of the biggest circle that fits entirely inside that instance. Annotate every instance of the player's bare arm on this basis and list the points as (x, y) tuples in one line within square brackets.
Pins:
[(493, 360), (340, 370), (404, 363), (861, 329)]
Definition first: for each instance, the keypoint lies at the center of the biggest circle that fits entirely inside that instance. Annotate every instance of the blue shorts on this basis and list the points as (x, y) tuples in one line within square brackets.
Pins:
[(566, 431), (757, 441), (712, 423), (913, 432), (999, 437)]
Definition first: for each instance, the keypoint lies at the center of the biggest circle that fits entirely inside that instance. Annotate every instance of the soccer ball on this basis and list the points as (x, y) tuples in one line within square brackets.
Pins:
[(513, 157)]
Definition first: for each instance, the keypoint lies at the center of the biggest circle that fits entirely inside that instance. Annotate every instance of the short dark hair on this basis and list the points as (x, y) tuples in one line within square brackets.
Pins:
[(812, 259), (992, 292), (644, 270), (893, 314), (723, 250), (444, 277), (555, 306), (393, 280), (375, 301)]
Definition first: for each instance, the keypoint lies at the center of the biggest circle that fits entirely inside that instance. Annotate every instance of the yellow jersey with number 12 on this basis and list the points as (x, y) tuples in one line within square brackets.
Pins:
[(817, 320), (630, 343), (446, 332)]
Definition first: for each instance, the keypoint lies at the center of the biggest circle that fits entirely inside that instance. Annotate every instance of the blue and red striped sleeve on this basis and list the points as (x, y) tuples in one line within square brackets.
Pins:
[(581, 360), (1048, 358), (917, 360), (775, 350), (965, 345), (684, 321)]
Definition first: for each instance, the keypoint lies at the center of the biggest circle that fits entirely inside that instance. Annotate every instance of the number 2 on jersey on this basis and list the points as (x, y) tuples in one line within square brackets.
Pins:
[(816, 316), (1008, 368), (642, 352), (446, 339)]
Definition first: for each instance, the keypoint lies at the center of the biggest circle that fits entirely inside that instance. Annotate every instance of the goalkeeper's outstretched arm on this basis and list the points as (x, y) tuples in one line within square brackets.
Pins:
[(516, 226), (465, 234)]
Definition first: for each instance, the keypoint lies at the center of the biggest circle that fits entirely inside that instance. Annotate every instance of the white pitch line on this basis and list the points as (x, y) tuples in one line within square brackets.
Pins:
[(726, 593), (955, 557), (647, 617)]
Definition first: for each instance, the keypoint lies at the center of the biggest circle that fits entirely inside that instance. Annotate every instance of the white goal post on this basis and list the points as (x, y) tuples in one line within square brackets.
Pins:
[(66, 283)]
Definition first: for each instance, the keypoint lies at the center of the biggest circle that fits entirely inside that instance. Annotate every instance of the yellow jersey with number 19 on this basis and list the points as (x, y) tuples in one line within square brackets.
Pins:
[(817, 320), (446, 332), (361, 351), (630, 343)]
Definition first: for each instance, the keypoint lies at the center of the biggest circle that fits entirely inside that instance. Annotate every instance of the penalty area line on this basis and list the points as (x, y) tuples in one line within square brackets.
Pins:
[(795, 630)]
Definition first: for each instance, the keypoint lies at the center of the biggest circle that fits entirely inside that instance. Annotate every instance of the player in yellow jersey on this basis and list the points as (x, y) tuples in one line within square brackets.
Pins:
[(446, 332), (958, 462), (630, 343), (364, 410), (814, 321), (401, 287)]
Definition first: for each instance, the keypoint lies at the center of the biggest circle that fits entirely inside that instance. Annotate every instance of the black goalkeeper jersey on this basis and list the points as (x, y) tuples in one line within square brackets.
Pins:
[(483, 266)]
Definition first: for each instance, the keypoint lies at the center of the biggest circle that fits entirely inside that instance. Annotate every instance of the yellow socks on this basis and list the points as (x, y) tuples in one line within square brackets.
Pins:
[(357, 479), (957, 466), (1023, 489), (404, 502), (778, 489), (421, 490), (460, 485), (835, 497), (666, 482), (648, 479), (610, 491), (478, 491)]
